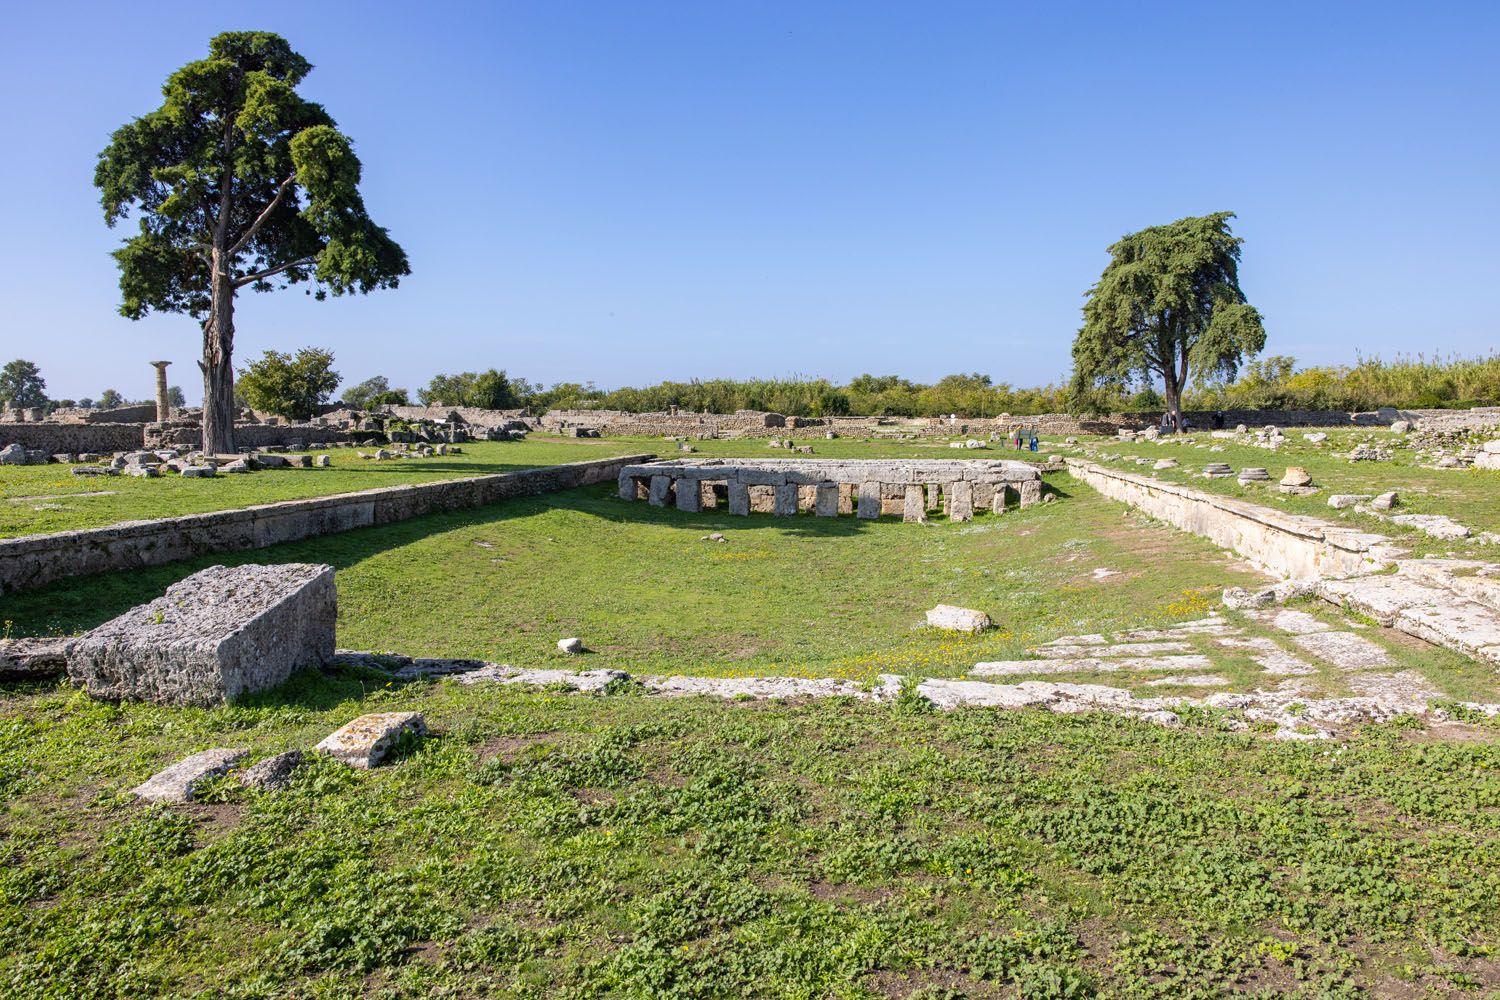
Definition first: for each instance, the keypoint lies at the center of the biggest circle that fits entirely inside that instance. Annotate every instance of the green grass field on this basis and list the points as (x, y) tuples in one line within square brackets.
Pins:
[(543, 844), (1469, 496), (547, 845)]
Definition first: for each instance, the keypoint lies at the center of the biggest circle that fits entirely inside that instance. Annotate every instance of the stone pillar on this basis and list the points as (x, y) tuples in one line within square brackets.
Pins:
[(627, 487), (1002, 494), (163, 404), (846, 498), (1031, 492), (786, 500), (739, 499), (661, 488), (689, 495), (869, 501), (960, 500), (826, 504), (915, 511), (934, 496)]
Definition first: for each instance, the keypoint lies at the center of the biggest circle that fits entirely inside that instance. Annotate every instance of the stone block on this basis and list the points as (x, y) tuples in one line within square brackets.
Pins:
[(367, 740), (1000, 499), (955, 619), (960, 500), (739, 499), (807, 497), (661, 489), (915, 509), (826, 503), (1030, 491), (273, 772), (934, 496), (846, 498), (178, 782), (220, 633), (762, 499), (28, 659), (689, 495), (627, 487), (708, 495), (869, 500), (786, 500)]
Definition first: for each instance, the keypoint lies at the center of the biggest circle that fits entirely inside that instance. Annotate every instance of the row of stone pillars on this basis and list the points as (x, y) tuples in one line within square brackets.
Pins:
[(868, 500)]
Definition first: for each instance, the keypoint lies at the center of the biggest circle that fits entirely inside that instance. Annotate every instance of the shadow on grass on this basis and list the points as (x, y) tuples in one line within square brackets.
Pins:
[(78, 604)]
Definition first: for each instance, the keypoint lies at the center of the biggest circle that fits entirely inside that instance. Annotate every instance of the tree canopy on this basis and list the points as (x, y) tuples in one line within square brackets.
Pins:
[(1168, 305), (22, 385), (288, 386), (374, 391), (238, 182), (489, 390)]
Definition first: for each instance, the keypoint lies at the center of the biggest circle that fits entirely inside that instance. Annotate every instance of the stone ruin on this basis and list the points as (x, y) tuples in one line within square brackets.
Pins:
[(868, 488)]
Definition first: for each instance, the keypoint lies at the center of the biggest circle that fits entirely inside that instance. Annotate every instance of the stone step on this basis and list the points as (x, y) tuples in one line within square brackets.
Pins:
[(1475, 580), (1438, 615), (1092, 665)]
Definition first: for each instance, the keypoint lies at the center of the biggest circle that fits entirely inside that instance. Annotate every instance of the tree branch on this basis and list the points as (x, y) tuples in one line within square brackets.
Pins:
[(251, 279), (260, 220)]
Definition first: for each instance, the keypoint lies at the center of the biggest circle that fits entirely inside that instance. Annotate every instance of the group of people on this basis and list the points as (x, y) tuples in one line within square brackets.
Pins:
[(1020, 439)]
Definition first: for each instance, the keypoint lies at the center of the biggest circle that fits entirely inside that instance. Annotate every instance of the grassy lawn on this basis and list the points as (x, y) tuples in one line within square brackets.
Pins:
[(42, 498), (807, 596), (1469, 496), (551, 845)]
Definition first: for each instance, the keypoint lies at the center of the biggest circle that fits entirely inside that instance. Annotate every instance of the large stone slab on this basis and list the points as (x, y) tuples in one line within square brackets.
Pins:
[(220, 633), (827, 501), (869, 500), (178, 782), (786, 500), (27, 659), (367, 740)]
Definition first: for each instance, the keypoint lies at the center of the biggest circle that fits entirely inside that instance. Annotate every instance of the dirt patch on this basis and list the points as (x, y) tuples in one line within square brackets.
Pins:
[(507, 748), (899, 985)]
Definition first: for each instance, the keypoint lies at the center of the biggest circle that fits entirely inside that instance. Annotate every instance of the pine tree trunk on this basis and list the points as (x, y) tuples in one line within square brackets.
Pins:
[(1174, 403), (218, 367)]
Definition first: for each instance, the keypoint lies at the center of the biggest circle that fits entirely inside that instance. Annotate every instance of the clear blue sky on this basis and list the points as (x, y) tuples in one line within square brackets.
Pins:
[(628, 192)]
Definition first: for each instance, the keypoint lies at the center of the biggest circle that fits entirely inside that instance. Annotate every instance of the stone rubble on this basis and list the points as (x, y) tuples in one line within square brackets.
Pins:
[(178, 782), (367, 740)]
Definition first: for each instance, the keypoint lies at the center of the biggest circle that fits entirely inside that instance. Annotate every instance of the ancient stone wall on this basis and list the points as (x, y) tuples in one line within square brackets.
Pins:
[(139, 413), (827, 487), (472, 415), (73, 438), (34, 560), (1290, 545)]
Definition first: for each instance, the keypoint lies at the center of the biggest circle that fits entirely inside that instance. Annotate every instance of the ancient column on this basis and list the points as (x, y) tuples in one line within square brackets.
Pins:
[(163, 404)]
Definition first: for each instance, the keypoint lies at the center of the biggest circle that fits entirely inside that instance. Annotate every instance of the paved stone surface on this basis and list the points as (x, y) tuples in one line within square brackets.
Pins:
[(583, 680), (220, 633), (367, 740), (177, 783), (1344, 650), (1189, 680), (1119, 649), (1290, 621), (1270, 657), (1090, 665)]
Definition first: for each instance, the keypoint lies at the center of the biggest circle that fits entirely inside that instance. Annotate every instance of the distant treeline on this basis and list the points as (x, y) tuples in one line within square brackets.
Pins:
[(1268, 384)]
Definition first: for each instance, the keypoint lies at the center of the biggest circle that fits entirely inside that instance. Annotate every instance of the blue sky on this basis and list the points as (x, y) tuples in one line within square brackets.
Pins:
[(628, 192)]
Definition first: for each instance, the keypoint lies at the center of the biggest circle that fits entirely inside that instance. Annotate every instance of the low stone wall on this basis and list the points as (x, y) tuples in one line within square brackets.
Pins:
[(34, 560), (1289, 545), (73, 438)]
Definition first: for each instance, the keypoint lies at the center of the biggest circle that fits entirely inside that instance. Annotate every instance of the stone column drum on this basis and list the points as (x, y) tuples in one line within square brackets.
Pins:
[(163, 401)]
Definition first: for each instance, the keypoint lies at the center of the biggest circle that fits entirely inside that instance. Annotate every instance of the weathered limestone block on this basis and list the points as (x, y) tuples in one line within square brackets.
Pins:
[(869, 501), (627, 487), (177, 783), (956, 619), (960, 501), (708, 495), (1001, 497), (827, 502), (807, 497), (25, 659), (367, 740), (273, 772), (661, 489), (762, 499), (1030, 491), (934, 496), (689, 495), (219, 633), (915, 511), (786, 500), (846, 498), (739, 498)]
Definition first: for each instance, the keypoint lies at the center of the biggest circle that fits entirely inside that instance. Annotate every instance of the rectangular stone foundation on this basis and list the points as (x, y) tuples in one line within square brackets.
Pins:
[(218, 634)]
